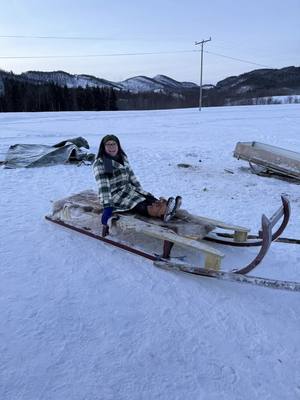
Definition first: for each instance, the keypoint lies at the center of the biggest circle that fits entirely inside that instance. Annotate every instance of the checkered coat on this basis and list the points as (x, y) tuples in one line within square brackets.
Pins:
[(122, 190)]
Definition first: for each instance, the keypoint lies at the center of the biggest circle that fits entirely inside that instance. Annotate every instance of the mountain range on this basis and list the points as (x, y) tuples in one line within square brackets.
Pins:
[(285, 78), (245, 88), (162, 91), (160, 83)]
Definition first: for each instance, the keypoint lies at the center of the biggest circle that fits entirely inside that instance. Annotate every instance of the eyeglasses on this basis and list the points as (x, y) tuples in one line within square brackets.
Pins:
[(110, 144)]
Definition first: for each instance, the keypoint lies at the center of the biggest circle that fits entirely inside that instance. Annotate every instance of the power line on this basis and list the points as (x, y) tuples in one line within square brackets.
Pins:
[(131, 54), (237, 59), (101, 55), (53, 37), (109, 55)]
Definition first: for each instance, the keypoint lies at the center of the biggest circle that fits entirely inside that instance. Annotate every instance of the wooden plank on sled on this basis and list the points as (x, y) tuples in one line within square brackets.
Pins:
[(89, 203), (240, 232), (129, 223), (282, 213)]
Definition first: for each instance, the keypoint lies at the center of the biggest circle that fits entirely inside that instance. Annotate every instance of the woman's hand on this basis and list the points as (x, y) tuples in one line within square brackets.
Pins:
[(107, 213)]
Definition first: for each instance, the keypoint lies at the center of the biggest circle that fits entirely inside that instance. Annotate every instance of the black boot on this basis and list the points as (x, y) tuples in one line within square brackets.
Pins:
[(178, 202), (171, 204), (172, 207)]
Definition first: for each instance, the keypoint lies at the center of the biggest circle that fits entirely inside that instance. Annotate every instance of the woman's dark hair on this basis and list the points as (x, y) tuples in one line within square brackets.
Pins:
[(101, 151)]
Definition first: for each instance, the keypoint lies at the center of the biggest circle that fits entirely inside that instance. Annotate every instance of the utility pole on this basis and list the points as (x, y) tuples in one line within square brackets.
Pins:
[(201, 72)]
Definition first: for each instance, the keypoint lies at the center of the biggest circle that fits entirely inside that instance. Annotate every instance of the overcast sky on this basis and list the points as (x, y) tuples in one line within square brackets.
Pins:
[(266, 33)]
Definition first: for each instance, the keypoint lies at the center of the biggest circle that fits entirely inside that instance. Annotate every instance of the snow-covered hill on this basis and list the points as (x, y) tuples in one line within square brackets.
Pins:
[(84, 321), (172, 83), (65, 79), (160, 83), (141, 84), (285, 80), (135, 84)]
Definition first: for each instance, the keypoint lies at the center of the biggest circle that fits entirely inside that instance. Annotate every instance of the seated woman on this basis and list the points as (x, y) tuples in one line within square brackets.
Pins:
[(119, 189)]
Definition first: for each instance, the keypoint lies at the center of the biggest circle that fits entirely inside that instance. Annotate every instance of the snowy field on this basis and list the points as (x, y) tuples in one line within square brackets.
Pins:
[(84, 321)]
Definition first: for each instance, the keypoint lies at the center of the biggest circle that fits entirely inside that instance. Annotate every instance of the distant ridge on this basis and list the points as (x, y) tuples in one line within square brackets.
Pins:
[(137, 84), (61, 91), (288, 77), (161, 91), (63, 78), (247, 87)]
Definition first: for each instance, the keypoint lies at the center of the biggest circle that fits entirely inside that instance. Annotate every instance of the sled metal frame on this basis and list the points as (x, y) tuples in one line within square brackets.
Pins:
[(238, 275), (212, 256), (265, 243), (171, 233), (230, 276), (284, 212), (101, 238)]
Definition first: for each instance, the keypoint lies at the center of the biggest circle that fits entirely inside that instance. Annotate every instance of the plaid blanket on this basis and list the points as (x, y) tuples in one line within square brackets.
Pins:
[(122, 190)]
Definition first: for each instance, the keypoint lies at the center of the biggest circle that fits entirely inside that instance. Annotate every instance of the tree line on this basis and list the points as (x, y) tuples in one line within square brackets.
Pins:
[(19, 95), (157, 100), (22, 96)]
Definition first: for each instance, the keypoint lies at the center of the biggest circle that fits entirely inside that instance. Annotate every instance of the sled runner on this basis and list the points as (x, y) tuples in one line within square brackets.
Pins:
[(81, 212), (231, 276)]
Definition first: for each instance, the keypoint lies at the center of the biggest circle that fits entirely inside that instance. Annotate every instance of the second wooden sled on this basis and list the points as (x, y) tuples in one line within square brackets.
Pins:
[(269, 159)]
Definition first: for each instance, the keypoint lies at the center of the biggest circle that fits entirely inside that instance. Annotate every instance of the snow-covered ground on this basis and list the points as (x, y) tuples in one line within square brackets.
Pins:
[(285, 99), (84, 321), (291, 99)]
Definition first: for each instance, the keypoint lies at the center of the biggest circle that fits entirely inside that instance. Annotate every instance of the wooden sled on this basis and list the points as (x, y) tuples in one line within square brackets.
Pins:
[(267, 160), (81, 212)]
